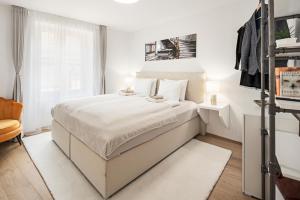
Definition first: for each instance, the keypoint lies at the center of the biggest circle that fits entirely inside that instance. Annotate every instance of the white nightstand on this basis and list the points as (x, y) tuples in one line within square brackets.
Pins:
[(222, 108)]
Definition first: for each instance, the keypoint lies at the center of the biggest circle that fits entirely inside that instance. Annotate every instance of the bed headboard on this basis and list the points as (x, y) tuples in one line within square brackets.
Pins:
[(196, 82)]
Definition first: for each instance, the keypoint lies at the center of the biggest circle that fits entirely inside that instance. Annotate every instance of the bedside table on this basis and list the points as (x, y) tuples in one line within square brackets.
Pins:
[(222, 108)]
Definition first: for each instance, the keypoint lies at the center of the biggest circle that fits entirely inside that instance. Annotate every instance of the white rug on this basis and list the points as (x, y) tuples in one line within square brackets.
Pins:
[(188, 174)]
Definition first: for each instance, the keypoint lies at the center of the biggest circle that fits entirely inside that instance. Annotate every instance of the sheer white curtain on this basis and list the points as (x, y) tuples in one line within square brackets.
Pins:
[(61, 62)]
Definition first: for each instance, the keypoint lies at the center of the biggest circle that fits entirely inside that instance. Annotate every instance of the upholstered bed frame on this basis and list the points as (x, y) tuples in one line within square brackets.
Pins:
[(109, 176)]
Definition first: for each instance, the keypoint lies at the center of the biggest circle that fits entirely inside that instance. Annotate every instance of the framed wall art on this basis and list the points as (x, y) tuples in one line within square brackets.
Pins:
[(172, 48)]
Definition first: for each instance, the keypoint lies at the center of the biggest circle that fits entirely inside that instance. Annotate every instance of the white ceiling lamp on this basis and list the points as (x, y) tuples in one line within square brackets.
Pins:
[(126, 1)]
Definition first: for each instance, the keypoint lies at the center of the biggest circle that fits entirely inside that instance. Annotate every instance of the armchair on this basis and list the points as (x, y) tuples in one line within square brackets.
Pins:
[(10, 125)]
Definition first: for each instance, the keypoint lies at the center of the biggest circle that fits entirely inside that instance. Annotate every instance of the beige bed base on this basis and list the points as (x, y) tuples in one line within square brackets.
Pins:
[(109, 176)]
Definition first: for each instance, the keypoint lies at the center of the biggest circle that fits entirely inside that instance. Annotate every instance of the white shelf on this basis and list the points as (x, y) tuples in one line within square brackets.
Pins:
[(290, 173), (222, 108), (288, 104)]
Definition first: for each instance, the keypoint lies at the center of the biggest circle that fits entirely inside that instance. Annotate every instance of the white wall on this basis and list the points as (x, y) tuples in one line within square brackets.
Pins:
[(6, 65), (118, 43), (217, 34)]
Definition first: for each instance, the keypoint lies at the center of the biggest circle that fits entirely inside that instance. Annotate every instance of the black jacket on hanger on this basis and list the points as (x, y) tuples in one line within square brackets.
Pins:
[(253, 81), (251, 46), (248, 51), (248, 80)]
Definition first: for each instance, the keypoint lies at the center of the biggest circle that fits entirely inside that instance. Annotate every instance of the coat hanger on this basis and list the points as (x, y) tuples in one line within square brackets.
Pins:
[(258, 6)]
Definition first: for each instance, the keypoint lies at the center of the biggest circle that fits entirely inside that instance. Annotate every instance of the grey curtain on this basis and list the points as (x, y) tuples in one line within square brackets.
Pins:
[(103, 50), (19, 17)]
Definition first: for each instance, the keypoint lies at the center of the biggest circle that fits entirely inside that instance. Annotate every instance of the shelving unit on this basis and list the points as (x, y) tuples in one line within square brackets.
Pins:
[(287, 57), (287, 50), (270, 168)]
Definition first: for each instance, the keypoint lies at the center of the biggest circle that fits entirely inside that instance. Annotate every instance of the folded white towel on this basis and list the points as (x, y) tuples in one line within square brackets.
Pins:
[(163, 100), (173, 103), (155, 100)]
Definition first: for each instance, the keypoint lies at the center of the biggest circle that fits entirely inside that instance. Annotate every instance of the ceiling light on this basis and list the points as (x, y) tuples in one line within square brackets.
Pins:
[(126, 1)]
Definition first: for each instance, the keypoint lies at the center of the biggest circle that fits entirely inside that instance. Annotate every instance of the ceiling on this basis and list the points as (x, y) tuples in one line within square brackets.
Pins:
[(128, 17), (133, 17)]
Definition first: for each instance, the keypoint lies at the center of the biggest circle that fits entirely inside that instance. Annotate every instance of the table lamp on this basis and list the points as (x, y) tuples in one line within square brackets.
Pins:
[(212, 89), (129, 83)]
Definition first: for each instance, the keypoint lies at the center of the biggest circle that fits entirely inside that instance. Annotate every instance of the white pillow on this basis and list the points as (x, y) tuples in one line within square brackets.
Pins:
[(169, 89), (144, 87), (183, 89), (154, 84), (183, 86)]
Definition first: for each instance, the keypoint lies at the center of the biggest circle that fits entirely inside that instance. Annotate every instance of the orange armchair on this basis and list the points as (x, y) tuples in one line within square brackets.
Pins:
[(10, 125)]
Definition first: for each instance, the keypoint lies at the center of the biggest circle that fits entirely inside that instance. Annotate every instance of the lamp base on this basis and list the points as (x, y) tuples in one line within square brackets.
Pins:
[(213, 99)]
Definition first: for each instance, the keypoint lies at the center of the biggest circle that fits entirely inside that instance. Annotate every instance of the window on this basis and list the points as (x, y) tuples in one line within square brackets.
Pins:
[(62, 64)]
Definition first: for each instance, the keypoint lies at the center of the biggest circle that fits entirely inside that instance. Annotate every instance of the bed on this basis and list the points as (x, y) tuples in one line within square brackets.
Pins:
[(124, 158)]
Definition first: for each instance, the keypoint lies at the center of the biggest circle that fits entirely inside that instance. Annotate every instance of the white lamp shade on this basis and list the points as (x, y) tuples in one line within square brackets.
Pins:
[(129, 82), (212, 87)]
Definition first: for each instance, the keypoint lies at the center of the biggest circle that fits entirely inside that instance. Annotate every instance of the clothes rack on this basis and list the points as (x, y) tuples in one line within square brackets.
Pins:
[(270, 168)]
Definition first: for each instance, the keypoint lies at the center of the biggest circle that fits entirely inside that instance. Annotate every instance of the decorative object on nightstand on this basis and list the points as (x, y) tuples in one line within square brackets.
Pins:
[(127, 92), (212, 89), (129, 80), (222, 108)]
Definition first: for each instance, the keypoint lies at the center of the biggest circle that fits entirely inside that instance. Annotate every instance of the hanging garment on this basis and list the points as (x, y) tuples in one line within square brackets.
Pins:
[(250, 59), (253, 81), (250, 51), (238, 51)]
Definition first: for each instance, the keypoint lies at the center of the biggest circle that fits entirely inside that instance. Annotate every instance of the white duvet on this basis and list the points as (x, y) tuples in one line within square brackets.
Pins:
[(105, 122)]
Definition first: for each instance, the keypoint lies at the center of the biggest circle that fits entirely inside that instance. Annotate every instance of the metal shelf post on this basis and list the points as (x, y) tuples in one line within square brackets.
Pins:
[(263, 97), (272, 105)]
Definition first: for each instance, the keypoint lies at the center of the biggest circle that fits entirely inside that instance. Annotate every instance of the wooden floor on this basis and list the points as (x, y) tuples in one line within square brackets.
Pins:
[(19, 178), (229, 186)]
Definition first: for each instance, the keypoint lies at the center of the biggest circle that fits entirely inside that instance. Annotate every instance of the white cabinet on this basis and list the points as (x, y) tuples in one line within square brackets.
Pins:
[(251, 156), (287, 151)]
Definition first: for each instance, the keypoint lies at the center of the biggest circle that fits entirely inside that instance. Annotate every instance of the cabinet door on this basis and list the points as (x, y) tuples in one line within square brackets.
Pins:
[(287, 148), (252, 156)]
